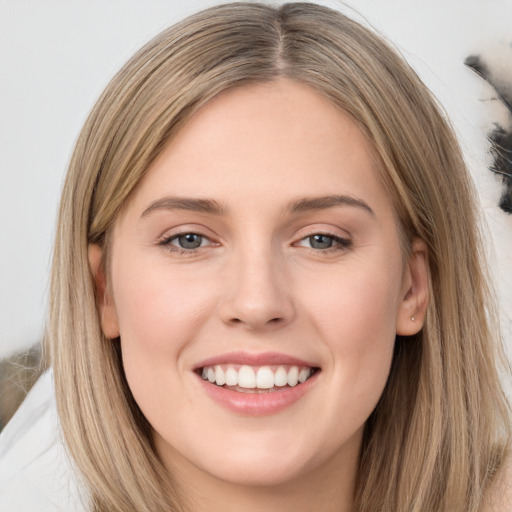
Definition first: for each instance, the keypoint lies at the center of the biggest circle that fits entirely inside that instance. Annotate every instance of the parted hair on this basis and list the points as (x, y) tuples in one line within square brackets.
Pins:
[(441, 428)]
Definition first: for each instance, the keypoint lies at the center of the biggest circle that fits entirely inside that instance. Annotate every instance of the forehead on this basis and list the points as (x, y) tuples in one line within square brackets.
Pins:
[(260, 143)]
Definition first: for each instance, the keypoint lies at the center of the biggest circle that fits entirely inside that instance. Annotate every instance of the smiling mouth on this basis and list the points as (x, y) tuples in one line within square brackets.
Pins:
[(256, 379)]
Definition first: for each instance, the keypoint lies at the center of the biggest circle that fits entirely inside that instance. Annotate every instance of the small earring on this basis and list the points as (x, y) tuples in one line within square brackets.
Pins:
[(413, 319)]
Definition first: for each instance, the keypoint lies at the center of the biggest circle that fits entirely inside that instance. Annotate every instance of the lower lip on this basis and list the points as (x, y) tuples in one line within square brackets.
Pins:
[(258, 404)]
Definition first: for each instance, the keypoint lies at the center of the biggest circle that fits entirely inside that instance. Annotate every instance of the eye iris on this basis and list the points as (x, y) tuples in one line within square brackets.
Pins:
[(190, 241), (320, 241)]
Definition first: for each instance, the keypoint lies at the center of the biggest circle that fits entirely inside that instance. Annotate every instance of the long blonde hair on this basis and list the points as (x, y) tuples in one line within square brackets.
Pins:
[(441, 428)]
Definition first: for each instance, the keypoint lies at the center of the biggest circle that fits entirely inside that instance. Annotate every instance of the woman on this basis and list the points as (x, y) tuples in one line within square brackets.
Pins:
[(264, 292)]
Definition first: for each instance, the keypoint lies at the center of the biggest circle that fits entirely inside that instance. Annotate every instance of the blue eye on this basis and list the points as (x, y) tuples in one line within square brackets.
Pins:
[(184, 242), (321, 241), (189, 241), (325, 242)]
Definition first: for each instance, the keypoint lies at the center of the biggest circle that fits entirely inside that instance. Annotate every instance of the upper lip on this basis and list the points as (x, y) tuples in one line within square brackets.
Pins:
[(255, 359)]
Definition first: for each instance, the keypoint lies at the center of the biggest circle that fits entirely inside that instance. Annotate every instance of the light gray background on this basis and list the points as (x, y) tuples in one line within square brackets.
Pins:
[(57, 56)]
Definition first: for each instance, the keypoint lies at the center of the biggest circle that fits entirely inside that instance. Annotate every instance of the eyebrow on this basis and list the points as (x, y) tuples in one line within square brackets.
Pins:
[(215, 208), (184, 203), (321, 203)]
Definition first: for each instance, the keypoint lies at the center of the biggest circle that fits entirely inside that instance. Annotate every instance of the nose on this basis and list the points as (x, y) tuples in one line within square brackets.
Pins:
[(256, 295)]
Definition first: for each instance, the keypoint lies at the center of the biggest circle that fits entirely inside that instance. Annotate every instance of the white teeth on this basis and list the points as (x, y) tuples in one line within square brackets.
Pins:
[(246, 377), (281, 377), (220, 376), (231, 377), (304, 374), (293, 376), (265, 378), (261, 378)]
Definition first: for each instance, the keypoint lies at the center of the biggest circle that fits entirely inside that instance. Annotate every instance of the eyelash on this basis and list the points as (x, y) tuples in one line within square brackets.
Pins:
[(167, 243), (339, 243)]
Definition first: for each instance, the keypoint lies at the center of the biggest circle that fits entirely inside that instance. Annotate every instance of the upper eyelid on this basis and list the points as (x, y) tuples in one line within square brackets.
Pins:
[(325, 233), (303, 233), (166, 243), (327, 230), (339, 240), (199, 229), (169, 238), (196, 229)]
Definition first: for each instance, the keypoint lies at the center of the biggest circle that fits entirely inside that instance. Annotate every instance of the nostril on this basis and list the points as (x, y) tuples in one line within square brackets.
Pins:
[(276, 321)]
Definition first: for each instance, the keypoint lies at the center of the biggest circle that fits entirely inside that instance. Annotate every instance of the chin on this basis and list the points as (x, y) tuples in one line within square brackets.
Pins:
[(249, 460), (263, 472)]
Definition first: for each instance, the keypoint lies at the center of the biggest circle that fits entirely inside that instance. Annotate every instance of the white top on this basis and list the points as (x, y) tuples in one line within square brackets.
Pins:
[(35, 471)]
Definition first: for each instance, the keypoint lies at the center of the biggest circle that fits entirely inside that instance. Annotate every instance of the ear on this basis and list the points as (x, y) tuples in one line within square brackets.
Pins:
[(104, 298), (412, 309)]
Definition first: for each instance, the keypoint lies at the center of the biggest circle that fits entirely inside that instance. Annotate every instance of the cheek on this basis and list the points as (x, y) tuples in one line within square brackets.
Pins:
[(159, 310), (158, 317), (356, 320), (358, 307), (160, 313)]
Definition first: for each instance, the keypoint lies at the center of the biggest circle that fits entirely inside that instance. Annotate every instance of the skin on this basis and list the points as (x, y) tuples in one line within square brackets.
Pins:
[(259, 283)]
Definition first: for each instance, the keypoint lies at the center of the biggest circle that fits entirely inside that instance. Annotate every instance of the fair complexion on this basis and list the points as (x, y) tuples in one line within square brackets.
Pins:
[(261, 237)]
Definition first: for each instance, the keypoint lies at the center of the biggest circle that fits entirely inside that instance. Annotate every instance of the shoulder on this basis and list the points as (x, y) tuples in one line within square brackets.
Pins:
[(500, 493), (35, 473)]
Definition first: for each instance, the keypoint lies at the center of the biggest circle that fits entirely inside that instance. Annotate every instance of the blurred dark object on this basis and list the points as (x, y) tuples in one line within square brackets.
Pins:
[(500, 78), (17, 376)]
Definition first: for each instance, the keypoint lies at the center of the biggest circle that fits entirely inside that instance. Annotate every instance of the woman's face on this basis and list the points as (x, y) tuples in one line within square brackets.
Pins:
[(260, 252)]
